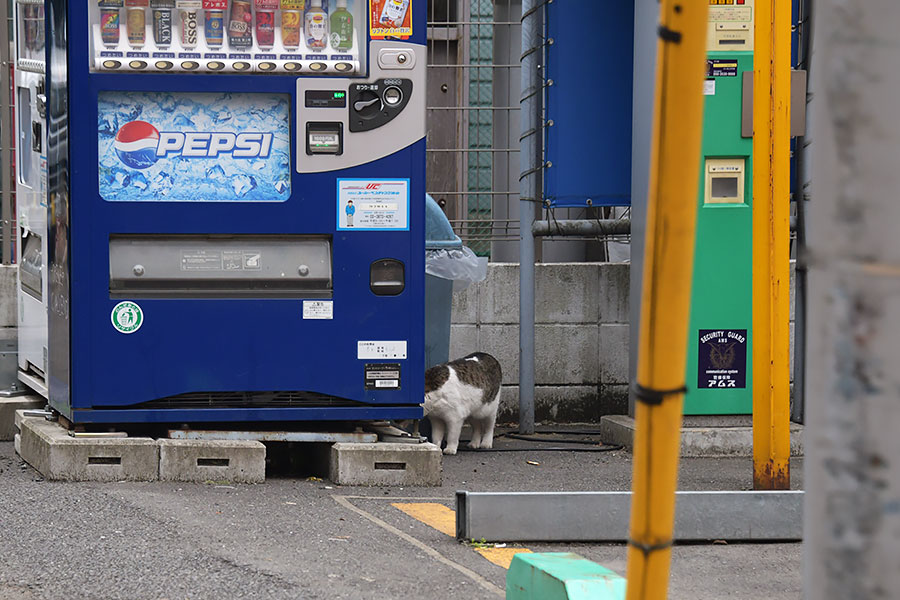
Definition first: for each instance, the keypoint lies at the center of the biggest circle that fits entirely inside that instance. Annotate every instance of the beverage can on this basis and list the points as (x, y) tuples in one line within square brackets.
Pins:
[(136, 25), (215, 27), (189, 34), (162, 26), (265, 28), (109, 26), (290, 28), (240, 33)]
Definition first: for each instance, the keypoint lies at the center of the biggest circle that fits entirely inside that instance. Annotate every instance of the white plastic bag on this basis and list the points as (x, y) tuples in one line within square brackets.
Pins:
[(460, 265)]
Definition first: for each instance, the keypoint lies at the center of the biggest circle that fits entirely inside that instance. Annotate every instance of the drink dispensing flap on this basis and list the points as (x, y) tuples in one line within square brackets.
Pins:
[(214, 266)]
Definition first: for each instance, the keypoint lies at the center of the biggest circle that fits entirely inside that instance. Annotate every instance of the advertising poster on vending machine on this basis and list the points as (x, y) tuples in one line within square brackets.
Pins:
[(194, 147), (390, 19)]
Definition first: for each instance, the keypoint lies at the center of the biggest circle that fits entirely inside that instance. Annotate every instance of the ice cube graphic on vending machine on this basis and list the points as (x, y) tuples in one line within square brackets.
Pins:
[(194, 147)]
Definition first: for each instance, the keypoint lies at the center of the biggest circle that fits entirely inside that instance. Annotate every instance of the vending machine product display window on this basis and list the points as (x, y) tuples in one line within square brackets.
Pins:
[(247, 36)]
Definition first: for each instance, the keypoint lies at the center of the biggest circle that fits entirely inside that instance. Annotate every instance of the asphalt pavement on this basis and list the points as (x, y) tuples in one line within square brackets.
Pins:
[(301, 536)]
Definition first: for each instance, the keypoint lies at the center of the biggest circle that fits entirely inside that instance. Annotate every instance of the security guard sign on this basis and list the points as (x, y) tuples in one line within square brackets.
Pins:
[(127, 317), (722, 363)]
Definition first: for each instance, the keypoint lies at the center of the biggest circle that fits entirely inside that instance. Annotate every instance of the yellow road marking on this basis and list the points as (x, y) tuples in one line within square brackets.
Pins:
[(501, 557), (435, 515), (443, 519)]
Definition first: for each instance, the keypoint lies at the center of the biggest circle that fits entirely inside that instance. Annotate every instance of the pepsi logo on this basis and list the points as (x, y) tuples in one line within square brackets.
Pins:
[(139, 144), (136, 144)]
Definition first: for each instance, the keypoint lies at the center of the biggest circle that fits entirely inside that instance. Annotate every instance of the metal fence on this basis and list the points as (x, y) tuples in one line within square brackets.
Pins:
[(473, 104)]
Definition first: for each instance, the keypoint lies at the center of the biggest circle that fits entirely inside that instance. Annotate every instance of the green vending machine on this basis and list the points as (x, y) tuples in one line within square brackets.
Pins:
[(719, 361)]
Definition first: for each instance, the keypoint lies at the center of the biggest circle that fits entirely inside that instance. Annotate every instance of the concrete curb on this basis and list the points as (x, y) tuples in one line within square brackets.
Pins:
[(235, 461), (699, 440), (58, 457), (385, 464)]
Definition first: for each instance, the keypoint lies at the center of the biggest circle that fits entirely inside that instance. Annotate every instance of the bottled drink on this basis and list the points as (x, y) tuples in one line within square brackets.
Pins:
[(265, 22), (109, 26), (214, 27), (240, 32), (290, 28), (316, 26), (189, 24), (136, 24), (341, 28), (162, 21)]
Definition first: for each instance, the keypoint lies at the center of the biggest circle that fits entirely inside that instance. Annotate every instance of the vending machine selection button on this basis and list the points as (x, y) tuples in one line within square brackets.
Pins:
[(343, 67), (163, 65), (215, 65), (292, 66), (266, 66), (189, 65), (241, 66), (137, 64), (318, 66), (111, 64)]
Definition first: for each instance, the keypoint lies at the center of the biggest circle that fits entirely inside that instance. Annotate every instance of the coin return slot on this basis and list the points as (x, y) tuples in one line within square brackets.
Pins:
[(387, 277)]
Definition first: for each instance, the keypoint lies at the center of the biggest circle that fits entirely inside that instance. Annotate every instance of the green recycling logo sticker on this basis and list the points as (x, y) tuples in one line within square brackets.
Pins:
[(127, 317)]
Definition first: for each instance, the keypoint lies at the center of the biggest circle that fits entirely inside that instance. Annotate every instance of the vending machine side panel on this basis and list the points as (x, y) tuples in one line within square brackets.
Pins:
[(58, 251)]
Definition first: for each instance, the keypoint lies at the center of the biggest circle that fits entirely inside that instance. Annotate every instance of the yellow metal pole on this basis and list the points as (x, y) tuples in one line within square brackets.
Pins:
[(771, 239), (665, 301)]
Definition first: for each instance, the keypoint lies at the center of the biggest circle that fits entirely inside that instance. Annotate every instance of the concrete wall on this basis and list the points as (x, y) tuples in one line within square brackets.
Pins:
[(581, 335)]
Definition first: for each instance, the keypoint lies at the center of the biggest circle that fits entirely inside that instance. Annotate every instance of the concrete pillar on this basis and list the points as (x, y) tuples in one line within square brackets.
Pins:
[(852, 513)]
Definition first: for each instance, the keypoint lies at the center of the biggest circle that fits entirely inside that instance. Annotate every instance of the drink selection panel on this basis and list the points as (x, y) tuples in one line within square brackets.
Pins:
[(252, 36)]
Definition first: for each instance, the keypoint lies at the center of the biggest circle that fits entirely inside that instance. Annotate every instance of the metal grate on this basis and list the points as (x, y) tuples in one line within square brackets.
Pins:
[(472, 116), (244, 400)]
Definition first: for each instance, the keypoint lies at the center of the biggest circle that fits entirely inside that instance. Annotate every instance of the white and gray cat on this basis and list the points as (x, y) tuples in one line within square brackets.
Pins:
[(464, 389)]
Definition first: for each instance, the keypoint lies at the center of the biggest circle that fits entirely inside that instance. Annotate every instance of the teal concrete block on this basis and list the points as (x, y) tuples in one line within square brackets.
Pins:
[(561, 576)]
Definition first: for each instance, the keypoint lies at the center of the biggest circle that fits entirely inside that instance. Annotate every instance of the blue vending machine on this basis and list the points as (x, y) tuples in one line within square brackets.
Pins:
[(235, 197)]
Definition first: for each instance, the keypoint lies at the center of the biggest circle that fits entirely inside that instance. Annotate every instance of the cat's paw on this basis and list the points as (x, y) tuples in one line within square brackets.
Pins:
[(449, 451), (474, 445)]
